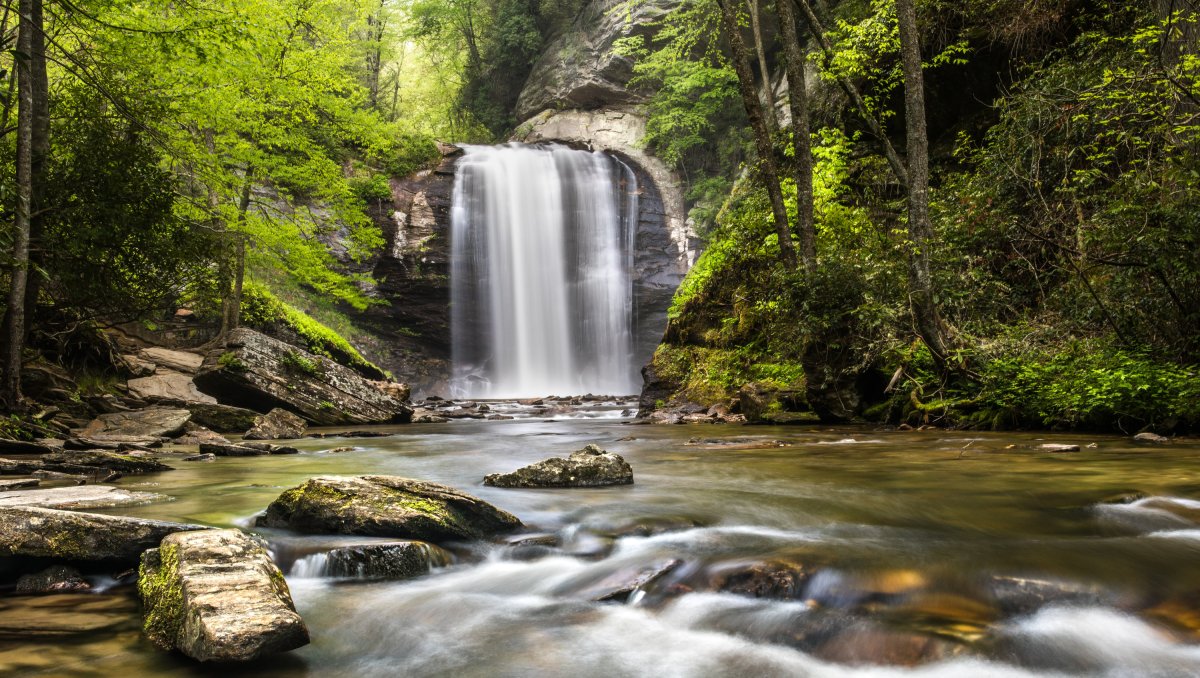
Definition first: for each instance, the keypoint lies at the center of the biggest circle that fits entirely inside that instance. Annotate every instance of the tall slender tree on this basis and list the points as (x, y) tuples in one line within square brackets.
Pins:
[(764, 72), (801, 134), (14, 340), (767, 167), (922, 298)]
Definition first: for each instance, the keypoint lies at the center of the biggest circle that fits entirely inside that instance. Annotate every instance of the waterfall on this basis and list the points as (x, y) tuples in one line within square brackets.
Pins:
[(541, 259)]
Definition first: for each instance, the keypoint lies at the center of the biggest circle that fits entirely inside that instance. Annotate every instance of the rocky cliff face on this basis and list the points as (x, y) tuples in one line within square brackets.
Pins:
[(579, 68)]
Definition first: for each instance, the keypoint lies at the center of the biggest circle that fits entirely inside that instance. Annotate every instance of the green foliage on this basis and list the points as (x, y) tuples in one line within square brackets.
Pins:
[(300, 364), (231, 362), (263, 310)]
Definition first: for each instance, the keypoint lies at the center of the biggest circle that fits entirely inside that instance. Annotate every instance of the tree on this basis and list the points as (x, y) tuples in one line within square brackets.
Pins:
[(922, 297), (801, 134), (14, 340), (767, 167), (764, 72)]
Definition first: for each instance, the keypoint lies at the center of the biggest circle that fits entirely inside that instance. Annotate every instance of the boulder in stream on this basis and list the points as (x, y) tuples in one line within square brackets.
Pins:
[(54, 579), (259, 372), (393, 560), (386, 506), (589, 467), (114, 461), (216, 595), (70, 535), (150, 423), (278, 424)]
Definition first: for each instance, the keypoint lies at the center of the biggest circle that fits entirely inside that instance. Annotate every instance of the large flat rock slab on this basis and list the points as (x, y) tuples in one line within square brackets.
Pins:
[(216, 595), (79, 497), (71, 535), (386, 506), (181, 361), (152, 422), (259, 372), (168, 385)]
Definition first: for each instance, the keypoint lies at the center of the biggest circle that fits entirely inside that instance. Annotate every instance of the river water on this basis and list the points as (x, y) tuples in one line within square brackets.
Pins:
[(923, 554)]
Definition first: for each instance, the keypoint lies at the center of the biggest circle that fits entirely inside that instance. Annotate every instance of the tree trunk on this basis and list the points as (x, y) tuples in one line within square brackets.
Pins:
[(801, 134), (762, 136), (920, 229), (14, 341), (233, 307), (889, 151), (768, 96), (375, 28), (40, 147)]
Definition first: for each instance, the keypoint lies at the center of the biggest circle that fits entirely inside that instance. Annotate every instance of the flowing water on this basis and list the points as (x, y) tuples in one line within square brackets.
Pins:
[(923, 554), (541, 258)]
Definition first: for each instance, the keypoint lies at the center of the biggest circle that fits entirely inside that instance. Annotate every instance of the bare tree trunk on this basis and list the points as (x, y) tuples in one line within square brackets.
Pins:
[(762, 136), (40, 156), (920, 228), (801, 134), (889, 151), (14, 341), (768, 96), (376, 26)]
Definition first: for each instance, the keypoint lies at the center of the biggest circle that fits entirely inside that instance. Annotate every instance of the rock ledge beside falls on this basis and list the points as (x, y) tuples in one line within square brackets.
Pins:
[(589, 467), (216, 595), (386, 506)]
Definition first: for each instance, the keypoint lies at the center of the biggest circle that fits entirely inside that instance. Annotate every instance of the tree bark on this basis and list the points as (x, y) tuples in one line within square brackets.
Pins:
[(801, 134), (889, 151), (762, 136), (376, 26), (14, 340), (768, 96), (922, 298)]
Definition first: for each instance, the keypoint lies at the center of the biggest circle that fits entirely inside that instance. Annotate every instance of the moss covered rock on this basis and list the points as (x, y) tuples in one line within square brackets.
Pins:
[(216, 595), (70, 535), (386, 506), (104, 459), (589, 467)]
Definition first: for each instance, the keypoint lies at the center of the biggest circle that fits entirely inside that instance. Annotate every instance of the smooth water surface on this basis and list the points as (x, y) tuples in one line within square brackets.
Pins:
[(925, 553)]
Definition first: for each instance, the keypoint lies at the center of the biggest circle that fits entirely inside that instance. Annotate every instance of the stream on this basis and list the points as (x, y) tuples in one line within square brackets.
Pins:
[(929, 553)]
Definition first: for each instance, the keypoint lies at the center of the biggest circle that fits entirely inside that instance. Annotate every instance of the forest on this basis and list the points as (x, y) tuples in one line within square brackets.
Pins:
[(600, 338)]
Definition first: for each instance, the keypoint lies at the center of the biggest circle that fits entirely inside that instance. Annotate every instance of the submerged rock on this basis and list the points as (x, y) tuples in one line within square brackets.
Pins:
[(621, 586), (70, 535), (277, 424), (54, 579), (216, 595), (249, 449), (778, 580), (386, 506), (589, 467), (1150, 438), (256, 371)]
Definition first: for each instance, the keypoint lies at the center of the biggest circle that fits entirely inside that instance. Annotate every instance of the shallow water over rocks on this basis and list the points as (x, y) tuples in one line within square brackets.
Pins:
[(883, 554)]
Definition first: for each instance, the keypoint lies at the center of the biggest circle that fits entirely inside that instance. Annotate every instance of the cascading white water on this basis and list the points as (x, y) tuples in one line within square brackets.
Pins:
[(541, 259)]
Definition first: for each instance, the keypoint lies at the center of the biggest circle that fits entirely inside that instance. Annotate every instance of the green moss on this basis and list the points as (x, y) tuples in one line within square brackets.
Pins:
[(162, 595), (231, 362), (300, 364)]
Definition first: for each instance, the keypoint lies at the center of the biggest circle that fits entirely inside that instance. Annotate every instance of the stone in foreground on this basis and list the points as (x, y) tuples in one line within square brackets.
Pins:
[(103, 459), (69, 535), (589, 467), (258, 372), (277, 425), (386, 506), (216, 596)]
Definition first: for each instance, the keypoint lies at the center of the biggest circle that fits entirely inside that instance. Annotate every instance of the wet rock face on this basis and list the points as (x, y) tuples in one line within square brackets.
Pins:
[(277, 425), (68, 535), (256, 371), (386, 506), (216, 595), (115, 461), (589, 467), (400, 560), (55, 579)]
